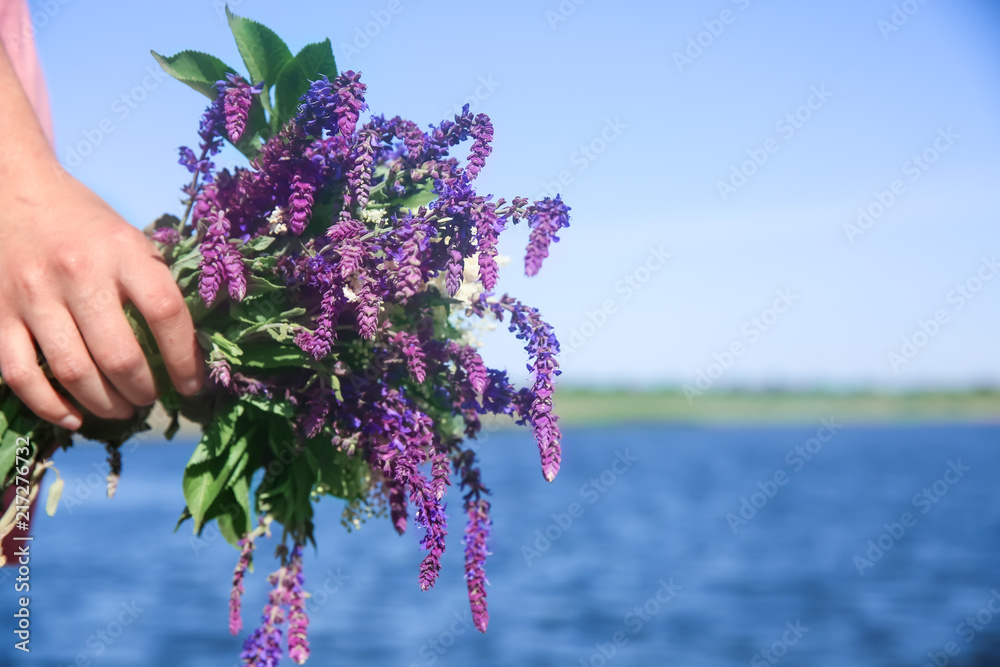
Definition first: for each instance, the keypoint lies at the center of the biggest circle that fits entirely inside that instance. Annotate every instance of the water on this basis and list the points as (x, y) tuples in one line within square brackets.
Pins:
[(112, 586)]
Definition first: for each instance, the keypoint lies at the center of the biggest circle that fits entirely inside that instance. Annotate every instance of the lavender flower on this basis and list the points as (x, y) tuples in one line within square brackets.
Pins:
[(414, 354), (360, 177), (263, 647), (397, 506), (319, 342), (298, 621), (453, 273), (470, 362), (351, 254), (238, 95), (166, 236), (477, 533), (246, 557), (350, 101), (535, 405), (547, 218), (482, 133), (300, 204), (488, 228), (368, 304), (332, 106), (219, 369)]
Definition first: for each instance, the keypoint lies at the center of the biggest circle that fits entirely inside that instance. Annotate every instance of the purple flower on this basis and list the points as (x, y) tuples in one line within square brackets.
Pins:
[(360, 177), (397, 505), (221, 263), (345, 229), (194, 165), (453, 272), (547, 218), (477, 532), (450, 133), (488, 228), (245, 559), (350, 101), (471, 363), (535, 405), (482, 133), (300, 204), (238, 95), (319, 342), (410, 133), (213, 123), (318, 407), (263, 647), (219, 369), (400, 436), (166, 236), (409, 261), (368, 304), (414, 353), (298, 620), (430, 514), (440, 472), (351, 254), (332, 106)]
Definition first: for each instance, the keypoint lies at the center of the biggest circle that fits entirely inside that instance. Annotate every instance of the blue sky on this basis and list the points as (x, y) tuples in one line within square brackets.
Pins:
[(642, 123)]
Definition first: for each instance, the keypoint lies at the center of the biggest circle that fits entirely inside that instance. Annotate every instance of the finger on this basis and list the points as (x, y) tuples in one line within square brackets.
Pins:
[(72, 366), (151, 288), (19, 370), (113, 345)]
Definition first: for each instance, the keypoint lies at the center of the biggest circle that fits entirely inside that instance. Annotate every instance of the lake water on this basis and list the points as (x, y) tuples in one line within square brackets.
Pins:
[(627, 559)]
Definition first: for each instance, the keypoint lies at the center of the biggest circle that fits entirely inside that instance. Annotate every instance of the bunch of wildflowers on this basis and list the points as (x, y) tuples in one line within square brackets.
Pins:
[(333, 281)]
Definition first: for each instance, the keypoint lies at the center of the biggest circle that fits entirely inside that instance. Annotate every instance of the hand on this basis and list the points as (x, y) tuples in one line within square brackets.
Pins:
[(68, 263)]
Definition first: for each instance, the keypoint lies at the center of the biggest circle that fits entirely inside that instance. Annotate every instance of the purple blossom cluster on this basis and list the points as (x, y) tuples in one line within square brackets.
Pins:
[(286, 604), (372, 226), (236, 596)]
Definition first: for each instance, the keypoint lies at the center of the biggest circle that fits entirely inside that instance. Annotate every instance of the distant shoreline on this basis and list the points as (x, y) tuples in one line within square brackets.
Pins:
[(589, 406), (601, 407)]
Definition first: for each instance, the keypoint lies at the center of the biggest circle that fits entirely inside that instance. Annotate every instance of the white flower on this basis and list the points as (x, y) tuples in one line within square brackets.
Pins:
[(276, 224)]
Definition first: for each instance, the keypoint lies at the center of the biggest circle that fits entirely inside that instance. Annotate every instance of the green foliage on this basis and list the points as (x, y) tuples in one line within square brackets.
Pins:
[(269, 62), (196, 69), (263, 52)]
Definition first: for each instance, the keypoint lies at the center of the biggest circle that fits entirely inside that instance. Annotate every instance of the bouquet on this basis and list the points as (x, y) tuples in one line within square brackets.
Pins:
[(337, 285)]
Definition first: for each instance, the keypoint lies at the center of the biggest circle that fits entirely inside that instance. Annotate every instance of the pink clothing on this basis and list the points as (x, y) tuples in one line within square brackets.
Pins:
[(17, 35)]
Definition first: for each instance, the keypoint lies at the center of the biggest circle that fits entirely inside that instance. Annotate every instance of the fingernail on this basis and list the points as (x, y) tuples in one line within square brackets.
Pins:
[(191, 386), (71, 422)]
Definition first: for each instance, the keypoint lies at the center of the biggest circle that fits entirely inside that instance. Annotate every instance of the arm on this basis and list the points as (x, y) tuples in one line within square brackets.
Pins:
[(68, 263)]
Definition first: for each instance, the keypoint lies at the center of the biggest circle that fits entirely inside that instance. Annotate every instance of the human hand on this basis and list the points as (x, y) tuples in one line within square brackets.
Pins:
[(68, 263)]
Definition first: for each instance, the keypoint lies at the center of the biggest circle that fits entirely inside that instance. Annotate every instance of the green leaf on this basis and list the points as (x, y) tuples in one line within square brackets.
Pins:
[(271, 406), (263, 264), (263, 51), (269, 355), (196, 69), (258, 244), (8, 453), (415, 200), (234, 518), (230, 348), (214, 457), (308, 65), (279, 332)]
